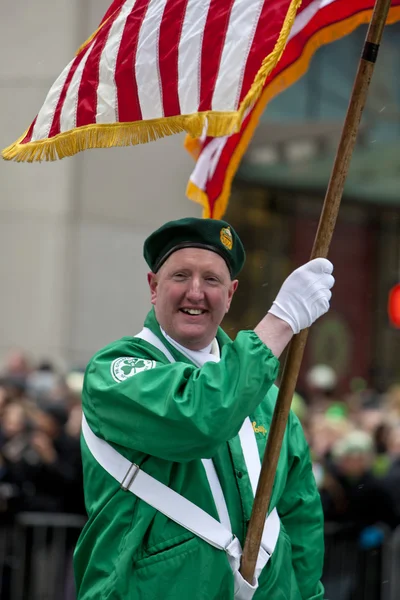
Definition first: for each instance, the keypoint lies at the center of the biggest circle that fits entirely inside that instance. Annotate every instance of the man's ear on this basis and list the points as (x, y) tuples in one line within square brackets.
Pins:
[(232, 290), (152, 281)]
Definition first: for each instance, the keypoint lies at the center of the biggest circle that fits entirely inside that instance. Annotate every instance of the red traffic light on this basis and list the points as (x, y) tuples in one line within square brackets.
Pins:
[(394, 305)]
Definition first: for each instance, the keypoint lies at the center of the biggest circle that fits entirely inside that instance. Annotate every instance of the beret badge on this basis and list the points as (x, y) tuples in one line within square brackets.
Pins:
[(226, 237)]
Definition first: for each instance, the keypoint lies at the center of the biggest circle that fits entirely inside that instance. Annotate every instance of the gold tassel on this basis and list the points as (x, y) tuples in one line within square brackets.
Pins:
[(117, 134)]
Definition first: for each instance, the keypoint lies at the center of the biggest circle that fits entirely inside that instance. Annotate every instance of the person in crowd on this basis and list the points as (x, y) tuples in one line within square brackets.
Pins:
[(41, 382), (40, 460), (175, 423), (322, 392), (350, 492), (325, 431), (392, 403), (74, 383), (17, 364), (14, 438)]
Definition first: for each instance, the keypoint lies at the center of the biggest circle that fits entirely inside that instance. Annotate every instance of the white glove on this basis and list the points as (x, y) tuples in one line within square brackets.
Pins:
[(305, 294)]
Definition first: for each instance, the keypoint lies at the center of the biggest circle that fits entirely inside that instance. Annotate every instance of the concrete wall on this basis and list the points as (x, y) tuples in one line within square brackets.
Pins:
[(71, 232)]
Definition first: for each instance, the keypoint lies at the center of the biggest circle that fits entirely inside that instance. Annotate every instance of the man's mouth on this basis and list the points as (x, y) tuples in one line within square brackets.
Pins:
[(192, 311)]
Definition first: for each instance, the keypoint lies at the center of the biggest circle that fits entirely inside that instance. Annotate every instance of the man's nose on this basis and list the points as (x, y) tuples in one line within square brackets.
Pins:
[(195, 290)]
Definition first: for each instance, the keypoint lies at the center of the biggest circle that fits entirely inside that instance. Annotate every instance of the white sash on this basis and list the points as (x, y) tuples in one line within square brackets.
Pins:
[(182, 511)]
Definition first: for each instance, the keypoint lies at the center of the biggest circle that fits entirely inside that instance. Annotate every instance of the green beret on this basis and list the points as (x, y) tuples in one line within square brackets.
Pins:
[(210, 234)]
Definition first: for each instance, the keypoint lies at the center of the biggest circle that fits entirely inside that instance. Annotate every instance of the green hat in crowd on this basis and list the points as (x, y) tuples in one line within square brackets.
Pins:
[(210, 234)]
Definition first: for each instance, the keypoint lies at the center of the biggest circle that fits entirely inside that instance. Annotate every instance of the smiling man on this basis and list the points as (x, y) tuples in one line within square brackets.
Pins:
[(175, 425)]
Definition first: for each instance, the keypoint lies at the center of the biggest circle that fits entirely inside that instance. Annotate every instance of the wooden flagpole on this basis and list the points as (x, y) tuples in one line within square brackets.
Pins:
[(320, 249)]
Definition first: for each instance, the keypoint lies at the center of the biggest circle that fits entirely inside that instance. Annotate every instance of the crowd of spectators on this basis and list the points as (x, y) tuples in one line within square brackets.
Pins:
[(354, 440), (40, 415)]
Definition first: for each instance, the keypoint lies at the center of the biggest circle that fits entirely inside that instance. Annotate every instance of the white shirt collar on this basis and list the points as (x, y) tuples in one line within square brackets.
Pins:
[(199, 357)]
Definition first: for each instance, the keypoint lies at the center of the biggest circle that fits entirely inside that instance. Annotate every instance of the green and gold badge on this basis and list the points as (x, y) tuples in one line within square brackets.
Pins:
[(226, 237)]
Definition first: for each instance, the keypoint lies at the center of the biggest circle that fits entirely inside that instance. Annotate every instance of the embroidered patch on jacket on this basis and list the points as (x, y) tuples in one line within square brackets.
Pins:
[(124, 367), (259, 428), (226, 237)]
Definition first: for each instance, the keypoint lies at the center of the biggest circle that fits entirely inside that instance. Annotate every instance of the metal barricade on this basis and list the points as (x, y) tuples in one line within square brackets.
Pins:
[(36, 560), (392, 566), (340, 563), (356, 565), (37, 556), (5, 559)]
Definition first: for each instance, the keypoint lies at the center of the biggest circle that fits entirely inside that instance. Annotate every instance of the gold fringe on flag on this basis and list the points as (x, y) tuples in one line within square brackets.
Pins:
[(117, 134)]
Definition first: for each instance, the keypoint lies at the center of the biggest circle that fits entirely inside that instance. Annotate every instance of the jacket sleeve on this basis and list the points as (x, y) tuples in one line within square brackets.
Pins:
[(177, 411), (301, 514)]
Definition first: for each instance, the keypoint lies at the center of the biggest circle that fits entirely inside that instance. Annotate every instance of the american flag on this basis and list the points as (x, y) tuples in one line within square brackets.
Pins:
[(318, 22), (156, 67)]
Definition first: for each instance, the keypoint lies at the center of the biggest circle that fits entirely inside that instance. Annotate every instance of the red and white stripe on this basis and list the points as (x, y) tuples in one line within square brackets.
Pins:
[(162, 58)]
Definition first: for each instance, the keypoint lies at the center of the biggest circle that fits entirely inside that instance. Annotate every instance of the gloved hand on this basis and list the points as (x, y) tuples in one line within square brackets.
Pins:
[(305, 294)]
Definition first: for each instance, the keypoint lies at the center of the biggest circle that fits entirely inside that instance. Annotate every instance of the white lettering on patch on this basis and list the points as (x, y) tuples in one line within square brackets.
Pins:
[(126, 366)]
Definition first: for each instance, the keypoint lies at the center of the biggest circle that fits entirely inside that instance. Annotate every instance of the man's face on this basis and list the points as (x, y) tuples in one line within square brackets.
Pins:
[(191, 293)]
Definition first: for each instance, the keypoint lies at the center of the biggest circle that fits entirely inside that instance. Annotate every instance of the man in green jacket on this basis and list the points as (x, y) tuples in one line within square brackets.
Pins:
[(175, 423)]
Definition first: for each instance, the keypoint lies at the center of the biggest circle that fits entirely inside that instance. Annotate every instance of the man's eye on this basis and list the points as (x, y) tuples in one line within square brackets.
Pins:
[(212, 279), (179, 276)]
